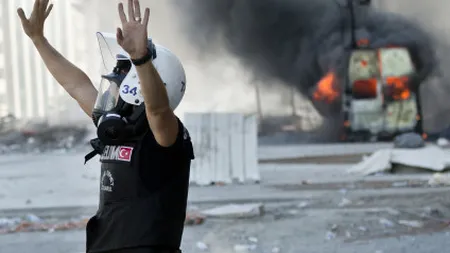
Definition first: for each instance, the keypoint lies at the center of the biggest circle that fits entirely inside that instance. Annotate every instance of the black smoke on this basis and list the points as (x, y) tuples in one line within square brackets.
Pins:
[(298, 41)]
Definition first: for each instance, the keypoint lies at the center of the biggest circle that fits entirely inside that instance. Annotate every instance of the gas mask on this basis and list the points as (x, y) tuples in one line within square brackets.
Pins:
[(116, 120), (119, 111)]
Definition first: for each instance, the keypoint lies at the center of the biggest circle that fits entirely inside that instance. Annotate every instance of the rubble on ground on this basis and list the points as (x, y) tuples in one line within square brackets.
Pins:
[(409, 140), (430, 158), (33, 223), (439, 179), (36, 137), (236, 211)]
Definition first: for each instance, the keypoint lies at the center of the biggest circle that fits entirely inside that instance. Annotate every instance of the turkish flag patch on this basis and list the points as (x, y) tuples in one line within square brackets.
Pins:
[(125, 153)]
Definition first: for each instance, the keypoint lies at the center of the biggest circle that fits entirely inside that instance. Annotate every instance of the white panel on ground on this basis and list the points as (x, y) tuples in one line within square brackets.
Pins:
[(222, 141), (251, 148), (237, 147), (225, 146)]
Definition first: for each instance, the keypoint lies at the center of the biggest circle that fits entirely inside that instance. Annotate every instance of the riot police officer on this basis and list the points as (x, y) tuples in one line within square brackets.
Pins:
[(144, 149)]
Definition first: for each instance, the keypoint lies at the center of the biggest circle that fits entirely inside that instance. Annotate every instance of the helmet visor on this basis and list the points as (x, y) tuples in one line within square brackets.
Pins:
[(108, 96)]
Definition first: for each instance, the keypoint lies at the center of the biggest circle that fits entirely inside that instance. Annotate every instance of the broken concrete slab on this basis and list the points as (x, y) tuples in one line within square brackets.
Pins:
[(236, 211), (430, 158)]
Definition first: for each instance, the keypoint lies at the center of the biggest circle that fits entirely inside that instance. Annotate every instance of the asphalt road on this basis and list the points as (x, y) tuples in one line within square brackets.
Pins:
[(282, 235)]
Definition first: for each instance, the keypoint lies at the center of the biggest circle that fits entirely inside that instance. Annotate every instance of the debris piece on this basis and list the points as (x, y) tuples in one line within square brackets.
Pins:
[(334, 227), (348, 234), (32, 218), (392, 211), (409, 140), (236, 211), (244, 247), (303, 204), (439, 179), (202, 246), (400, 184), (386, 222), (194, 218), (253, 239), (430, 211), (344, 202), (411, 223), (275, 250), (330, 235), (363, 229), (293, 212), (343, 191), (428, 158), (442, 142), (23, 225)]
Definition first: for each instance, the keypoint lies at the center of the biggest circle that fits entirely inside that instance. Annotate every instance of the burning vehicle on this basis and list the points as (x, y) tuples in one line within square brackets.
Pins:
[(379, 98), (359, 65)]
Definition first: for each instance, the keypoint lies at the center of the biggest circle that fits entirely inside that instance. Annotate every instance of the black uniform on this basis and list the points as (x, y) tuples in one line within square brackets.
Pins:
[(143, 196)]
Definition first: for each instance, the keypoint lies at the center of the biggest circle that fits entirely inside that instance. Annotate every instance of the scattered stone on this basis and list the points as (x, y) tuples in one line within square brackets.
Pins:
[(275, 250), (330, 235), (344, 202), (386, 222), (202, 246), (244, 247), (17, 225), (400, 184), (409, 140), (236, 211), (392, 211), (411, 223), (429, 211), (439, 179), (348, 234), (334, 228), (442, 142), (253, 239), (293, 212), (194, 218), (303, 204), (343, 191), (32, 218), (363, 229)]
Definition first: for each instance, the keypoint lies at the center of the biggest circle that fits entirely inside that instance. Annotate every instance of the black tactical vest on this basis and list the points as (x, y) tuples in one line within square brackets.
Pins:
[(143, 195)]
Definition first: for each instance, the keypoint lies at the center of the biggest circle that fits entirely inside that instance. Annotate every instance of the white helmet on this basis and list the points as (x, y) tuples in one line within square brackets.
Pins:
[(166, 63)]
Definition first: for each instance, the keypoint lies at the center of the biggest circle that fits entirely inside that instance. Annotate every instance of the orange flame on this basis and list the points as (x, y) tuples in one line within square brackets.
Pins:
[(398, 88), (326, 89), (365, 88)]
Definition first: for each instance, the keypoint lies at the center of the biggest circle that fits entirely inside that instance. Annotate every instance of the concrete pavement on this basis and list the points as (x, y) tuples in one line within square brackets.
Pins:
[(60, 181), (309, 208)]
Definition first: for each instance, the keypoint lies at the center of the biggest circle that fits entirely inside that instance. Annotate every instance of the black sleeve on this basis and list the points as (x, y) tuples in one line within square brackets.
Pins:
[(182, 145)]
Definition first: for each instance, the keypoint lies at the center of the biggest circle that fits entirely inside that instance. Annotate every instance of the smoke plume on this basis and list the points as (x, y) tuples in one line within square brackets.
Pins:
[(297, 42)]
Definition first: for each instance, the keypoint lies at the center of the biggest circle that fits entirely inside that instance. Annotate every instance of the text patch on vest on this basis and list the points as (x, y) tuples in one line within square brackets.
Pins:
[(117, 153)]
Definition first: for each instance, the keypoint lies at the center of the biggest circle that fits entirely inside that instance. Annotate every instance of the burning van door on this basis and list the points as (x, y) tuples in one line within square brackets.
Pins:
[(365, 112), (380, 99), (396, 68)]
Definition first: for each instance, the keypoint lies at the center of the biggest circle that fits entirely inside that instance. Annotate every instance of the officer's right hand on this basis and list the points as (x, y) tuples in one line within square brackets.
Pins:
[(34, 26)]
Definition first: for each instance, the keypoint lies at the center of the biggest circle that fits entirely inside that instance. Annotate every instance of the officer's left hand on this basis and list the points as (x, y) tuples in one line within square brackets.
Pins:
[(132, 37)]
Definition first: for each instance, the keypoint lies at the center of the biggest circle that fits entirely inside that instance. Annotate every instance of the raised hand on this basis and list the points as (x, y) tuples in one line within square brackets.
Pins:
[(34, 25), (133, 36)]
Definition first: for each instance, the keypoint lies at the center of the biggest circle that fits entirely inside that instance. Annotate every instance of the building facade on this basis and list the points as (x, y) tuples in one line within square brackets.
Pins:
[(27, 90)]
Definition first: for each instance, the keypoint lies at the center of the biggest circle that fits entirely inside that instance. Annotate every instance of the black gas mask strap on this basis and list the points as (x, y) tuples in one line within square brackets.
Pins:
[(98, 147), (140, 119)]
